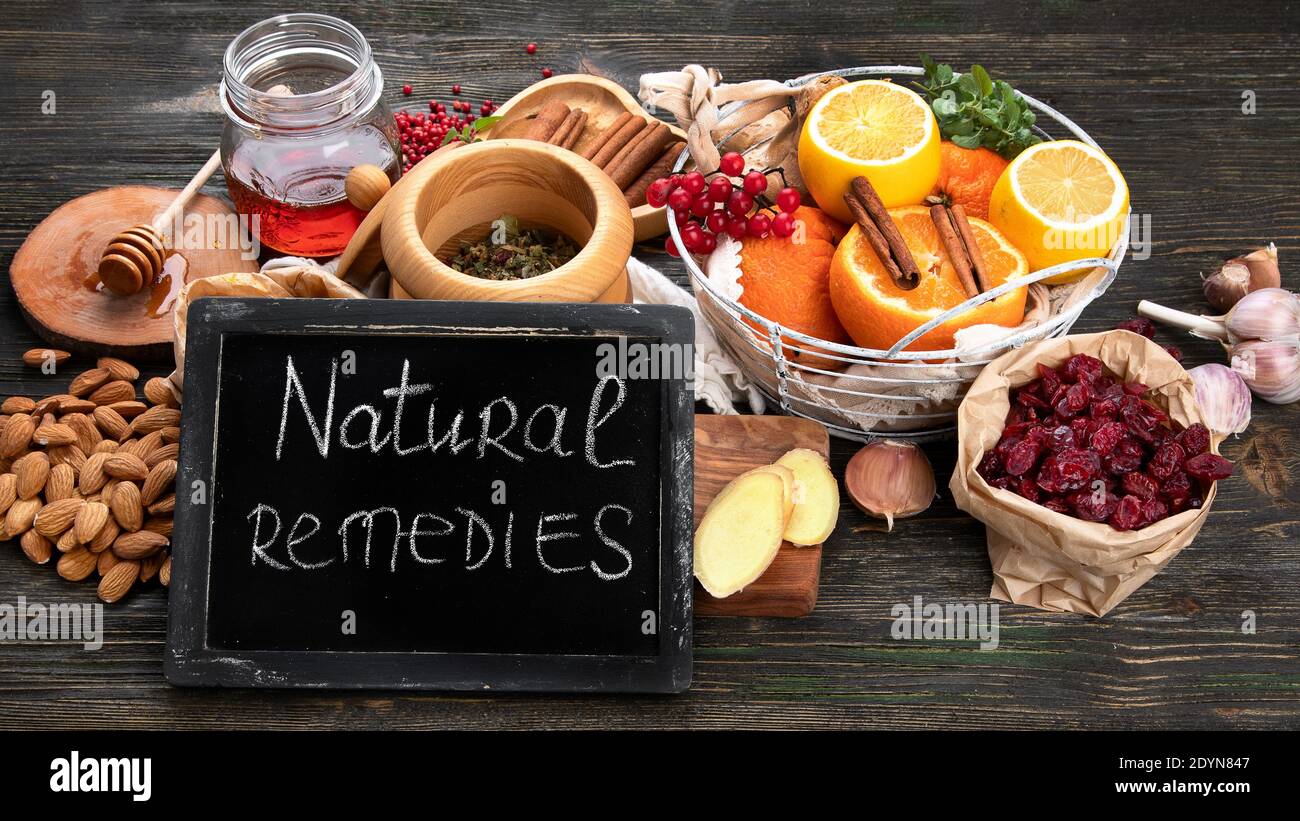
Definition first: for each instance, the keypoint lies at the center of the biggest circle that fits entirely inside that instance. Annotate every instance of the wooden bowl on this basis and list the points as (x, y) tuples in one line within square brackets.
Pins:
[(603, 101), (464, 191)]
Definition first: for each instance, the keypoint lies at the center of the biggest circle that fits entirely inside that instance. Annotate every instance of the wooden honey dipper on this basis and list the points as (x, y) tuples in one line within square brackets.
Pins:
[(135, 256)]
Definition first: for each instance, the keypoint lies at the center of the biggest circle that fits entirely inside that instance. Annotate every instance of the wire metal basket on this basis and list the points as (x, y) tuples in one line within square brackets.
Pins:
[(863, 393)]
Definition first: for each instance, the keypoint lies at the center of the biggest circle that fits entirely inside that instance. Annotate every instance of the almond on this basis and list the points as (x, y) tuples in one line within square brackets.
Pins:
[(36, 547), (106, 561), (67, 541), (61, 484), (57, 517), (156, 418), (87, 381), (149, 567), (113, 392), (138, 545), (49, 404), (118, 368), (90, 520), (149, 443), (166, 504), (105, 537), (161, 478), (171, 434), (129, 410), (88, 435), (92, 476), (17, 404), (20, 516), (125, 466), (118, 581), (31, 472), (159, 391), (161, 525), (68, 455), (77, 564), (75, 406), (9, 491), (165, 572), (162, 454), (111, 423), (17, 435), (125, 505), (56, 435), (107, 446), (37, 357)]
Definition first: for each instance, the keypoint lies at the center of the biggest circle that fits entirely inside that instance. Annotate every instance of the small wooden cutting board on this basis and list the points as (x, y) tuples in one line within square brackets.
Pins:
[(727, 446)]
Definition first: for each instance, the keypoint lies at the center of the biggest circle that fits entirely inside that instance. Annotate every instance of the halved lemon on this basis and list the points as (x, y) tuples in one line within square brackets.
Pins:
[(873, 129), (1060, 201)]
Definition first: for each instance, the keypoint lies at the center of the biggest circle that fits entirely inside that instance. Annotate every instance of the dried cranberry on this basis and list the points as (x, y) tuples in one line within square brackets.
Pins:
[(1094, 505), (1060, 438), (1079, 427), (1195, 439), (1135, 388), (1076, 399), (1030, 399), (1167, 460), (990, 467), (1082, 367), (1057, 503), (1051, 381), (1208, 467), (1126, 457), (1005, 483), (1140, 485), (1128, 514), (1176, 490), (1153, 510), (1161, 435), (1107, 436), (1029, 489), (1174, 351), (1022, 458), (1140, 325)]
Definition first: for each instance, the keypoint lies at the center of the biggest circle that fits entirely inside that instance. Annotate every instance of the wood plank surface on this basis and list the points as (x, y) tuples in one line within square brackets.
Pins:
[(727, 446), (1158, 84)]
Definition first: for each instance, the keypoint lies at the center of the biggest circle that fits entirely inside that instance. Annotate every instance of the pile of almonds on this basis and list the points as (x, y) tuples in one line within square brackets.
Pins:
[(91, 474)]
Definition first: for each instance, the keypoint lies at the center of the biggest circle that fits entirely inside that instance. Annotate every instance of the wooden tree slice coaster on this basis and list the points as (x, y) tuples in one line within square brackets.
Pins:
[(50, 272)]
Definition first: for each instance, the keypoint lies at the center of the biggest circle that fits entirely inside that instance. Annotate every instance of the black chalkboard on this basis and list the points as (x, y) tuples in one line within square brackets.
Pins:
[(443, 495)]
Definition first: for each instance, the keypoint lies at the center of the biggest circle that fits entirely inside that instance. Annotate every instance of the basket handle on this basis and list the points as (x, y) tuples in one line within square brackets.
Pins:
[(1111, 266)]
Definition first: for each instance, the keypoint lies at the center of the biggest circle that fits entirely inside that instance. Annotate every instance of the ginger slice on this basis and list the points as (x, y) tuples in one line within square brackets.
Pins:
[(817, 497), (741, 532)]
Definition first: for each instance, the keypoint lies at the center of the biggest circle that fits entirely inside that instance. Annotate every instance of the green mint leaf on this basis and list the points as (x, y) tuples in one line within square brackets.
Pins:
[(982, 79)]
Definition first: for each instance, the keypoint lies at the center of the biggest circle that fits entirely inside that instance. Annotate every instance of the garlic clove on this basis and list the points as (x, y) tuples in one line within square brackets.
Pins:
[(1264, 271), (889, 479), (1223, 397), (1270, 367), (1226, 286), (1272, 313)]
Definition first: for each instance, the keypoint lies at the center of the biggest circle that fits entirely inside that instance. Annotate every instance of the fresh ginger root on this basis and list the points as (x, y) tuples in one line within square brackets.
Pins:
[(817, 506)]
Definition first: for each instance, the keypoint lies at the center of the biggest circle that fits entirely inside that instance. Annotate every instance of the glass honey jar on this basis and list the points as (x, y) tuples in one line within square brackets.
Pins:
[(303, 101)]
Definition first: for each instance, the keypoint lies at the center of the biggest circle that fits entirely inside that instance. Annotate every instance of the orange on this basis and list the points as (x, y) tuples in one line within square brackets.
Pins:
[(877, 313), (786, 279), (873, 129), (967, 177)]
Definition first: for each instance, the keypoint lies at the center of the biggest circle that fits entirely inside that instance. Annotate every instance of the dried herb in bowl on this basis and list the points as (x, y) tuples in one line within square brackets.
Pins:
[(511, 252)]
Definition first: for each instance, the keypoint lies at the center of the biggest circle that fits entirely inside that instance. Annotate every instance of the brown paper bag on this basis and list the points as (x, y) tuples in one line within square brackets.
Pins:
[(1050, 560)]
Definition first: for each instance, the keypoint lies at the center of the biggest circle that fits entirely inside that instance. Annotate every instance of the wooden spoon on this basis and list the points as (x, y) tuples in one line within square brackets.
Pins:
[(134, 256)]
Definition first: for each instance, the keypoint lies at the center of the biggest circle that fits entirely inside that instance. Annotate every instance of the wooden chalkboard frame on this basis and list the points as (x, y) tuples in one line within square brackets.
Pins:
[(190, 662)]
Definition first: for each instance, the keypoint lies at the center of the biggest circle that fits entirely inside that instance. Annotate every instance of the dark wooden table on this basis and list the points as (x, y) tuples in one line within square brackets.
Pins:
[(1159, 84)]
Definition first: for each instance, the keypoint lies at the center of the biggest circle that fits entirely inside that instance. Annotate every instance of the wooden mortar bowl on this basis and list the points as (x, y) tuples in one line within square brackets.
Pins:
[(542, 185)]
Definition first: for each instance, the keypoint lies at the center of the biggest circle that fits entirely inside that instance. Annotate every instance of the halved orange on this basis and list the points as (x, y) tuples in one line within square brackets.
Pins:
[(877, 313)]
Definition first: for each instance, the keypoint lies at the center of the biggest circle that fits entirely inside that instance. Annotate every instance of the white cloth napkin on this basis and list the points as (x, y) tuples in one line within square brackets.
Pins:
[(719, 382)]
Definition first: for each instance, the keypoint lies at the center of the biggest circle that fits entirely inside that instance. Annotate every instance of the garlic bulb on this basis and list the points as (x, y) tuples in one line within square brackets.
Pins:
[(1242, 275), (1223, 397), (1272, 313), (889, 479), (1270, 367)]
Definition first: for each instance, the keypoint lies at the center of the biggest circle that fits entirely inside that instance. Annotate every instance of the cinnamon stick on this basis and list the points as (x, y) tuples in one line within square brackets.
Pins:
[(635, 193), (625, 169), (547, 119), (952, 243), (604, 136), (618, 140), (864, 202), (977, 263), (877, 240), (570, 129)]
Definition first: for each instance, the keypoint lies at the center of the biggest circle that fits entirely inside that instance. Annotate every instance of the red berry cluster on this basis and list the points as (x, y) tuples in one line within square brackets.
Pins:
[(1080, 442), (1145, 327), (421, 134), (708, 206)]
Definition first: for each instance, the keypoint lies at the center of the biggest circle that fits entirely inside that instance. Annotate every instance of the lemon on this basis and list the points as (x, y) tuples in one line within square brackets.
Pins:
[(1060, 201), (872, 129)]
